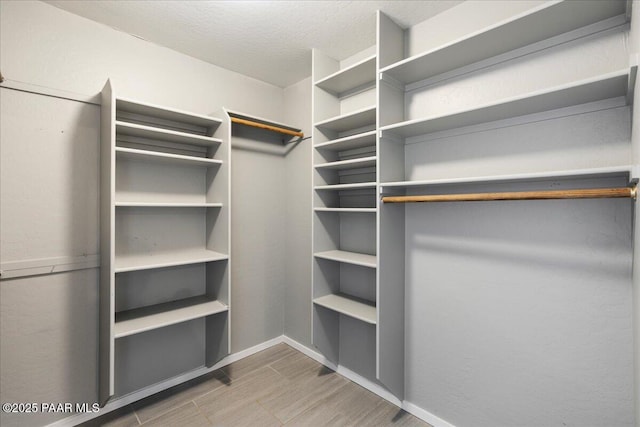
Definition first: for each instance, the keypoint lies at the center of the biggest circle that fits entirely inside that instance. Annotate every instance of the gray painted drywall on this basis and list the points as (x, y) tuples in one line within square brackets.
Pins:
[(297, 255), (512, 320)]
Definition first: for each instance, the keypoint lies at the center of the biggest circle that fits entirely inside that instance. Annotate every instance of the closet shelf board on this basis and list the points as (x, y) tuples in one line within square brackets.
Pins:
[(126, 263), (153, 317), (352, 186), (167, 205), (346, 210), (352, 77), (611, 85), (159, 134), (169, 158), (604, 172), (353, 307), (353, 120), (362, 162), (365, 139), (355, 258), (164, 113), (540, 23)]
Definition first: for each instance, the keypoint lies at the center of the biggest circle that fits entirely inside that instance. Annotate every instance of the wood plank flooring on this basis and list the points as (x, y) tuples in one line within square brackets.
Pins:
[(276, 387)]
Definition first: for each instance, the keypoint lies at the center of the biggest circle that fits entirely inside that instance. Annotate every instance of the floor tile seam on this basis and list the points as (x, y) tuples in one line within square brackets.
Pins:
[(202, 413), (269, 412), (314, 406), (135, 414), (180, 405), (165, 413)]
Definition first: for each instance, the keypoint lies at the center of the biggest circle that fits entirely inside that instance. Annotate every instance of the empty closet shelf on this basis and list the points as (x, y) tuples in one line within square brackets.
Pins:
[(359, 140), (350, 121), (158, 134), (355, 76), (611, 85), (362, 162), (355, 258), (126, 263), (353, 307), (178, 119), (161, 157), (167, 205), (354, 210), (522, 30), (157, 316), (352, 186)]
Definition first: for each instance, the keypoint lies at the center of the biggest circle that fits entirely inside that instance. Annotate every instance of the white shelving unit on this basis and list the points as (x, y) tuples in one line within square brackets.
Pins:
[(165, 221), (344, 184)]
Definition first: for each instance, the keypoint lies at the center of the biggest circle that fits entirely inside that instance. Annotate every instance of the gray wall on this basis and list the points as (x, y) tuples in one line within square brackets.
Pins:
[(297, 255)]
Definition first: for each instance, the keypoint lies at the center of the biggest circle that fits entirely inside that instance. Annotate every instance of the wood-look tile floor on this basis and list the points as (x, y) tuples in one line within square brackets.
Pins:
[(276, 387)]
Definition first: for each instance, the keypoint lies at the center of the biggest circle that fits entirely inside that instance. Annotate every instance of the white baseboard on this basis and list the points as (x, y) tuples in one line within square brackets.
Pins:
[(424, 415), (347, 373)]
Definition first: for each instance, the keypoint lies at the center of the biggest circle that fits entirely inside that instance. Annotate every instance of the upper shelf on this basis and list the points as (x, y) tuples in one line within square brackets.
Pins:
[(157, 134), (610, 85), (361, 162), (143, 113), (625, 172), (349, 121), (357, 75), (545, 21), (365, 139), (160, 157)]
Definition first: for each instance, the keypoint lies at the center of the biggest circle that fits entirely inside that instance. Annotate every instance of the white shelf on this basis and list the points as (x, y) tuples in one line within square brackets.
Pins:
[(141, 108), (362, 162), (124, 263), (365, 139), (606, 172), (167, 205), (610, 85), (353, 120), (350, 306), (158, 134), (355, 258), (352, 77), (346, 210), (540, 23), (354, 186), (157, 156), (148, 318)]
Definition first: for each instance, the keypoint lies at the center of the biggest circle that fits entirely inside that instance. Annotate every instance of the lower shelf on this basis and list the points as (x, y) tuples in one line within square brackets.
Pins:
[(353, 307), (166, 259), (144, 319), (349, 257)]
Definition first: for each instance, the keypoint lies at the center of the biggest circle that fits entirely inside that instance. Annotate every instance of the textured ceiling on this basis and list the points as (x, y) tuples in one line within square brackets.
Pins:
[(267, 40)]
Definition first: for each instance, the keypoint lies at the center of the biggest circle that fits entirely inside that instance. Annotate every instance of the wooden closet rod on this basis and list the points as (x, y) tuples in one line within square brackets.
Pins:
[(590, 193), (267, 127)]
